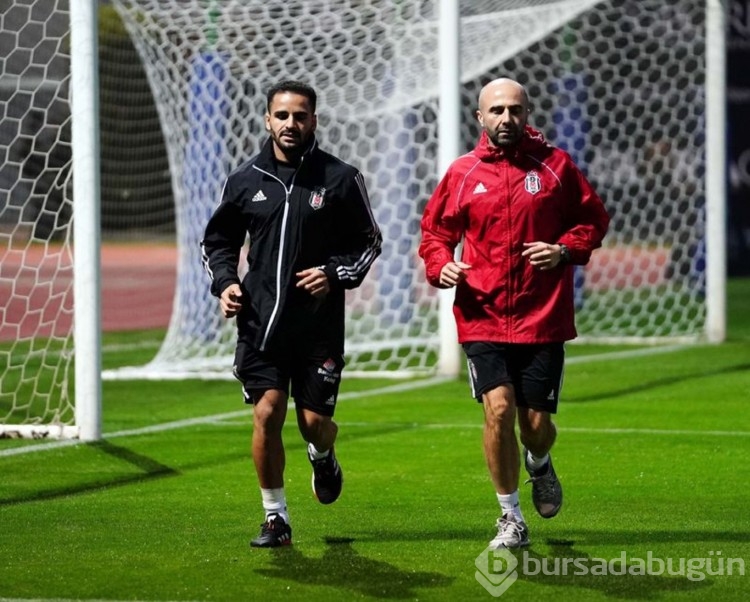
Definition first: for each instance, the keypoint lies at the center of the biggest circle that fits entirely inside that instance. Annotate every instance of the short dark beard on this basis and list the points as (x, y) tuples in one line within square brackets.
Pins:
[(293, 154), (504, 142)]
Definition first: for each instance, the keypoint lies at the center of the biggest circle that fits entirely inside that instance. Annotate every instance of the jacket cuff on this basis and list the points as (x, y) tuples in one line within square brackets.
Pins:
[(220, 285), (330, 272)]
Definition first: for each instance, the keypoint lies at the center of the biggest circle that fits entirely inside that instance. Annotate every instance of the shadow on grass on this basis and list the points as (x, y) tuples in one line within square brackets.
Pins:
[(149, 469), (573, 537), (342, 567), (657, 384), (633, 576)]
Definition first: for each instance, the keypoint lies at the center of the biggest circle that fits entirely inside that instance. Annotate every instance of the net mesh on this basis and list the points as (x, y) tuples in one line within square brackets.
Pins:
[(36, 268), (619, 84)]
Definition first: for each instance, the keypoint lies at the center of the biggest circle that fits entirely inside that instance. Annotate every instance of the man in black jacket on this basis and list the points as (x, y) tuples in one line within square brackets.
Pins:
[(312, 236)]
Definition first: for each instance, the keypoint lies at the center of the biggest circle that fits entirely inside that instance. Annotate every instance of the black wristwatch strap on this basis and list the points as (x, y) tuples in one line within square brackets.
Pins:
[(564, 254)]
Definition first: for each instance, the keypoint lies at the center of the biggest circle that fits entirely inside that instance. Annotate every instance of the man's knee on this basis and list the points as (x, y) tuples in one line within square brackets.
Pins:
[(269, 409), (500, 408)]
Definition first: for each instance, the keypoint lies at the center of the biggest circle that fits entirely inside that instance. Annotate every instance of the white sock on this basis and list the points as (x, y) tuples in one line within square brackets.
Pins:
[(274, 502), (536, 463), (314, 453), (509, 504)]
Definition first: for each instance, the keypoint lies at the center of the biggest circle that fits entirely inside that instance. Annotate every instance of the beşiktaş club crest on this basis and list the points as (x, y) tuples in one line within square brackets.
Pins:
[(533, 182), (317, 198)]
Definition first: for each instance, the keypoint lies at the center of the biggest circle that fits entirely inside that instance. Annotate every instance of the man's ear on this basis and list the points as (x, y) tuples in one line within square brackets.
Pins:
[(267, 121)]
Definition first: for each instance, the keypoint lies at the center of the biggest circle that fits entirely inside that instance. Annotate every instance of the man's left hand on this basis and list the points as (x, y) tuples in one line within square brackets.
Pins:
[(542, 255), (314, 281)]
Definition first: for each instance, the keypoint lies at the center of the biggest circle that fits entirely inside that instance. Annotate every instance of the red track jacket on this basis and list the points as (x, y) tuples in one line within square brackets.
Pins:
[(496, 200)]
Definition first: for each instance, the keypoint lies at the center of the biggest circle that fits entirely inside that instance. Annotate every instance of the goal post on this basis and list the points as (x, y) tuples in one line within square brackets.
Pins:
[(633, 89), (716, 172), (50, 280), (449, 148), (84, 79)]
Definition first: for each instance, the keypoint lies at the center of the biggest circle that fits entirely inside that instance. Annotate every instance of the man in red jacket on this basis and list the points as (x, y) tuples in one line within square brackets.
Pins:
[(526, 215)]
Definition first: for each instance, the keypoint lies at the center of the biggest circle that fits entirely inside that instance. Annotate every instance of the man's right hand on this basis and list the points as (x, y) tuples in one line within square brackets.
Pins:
[(452, 273), (231, 301)]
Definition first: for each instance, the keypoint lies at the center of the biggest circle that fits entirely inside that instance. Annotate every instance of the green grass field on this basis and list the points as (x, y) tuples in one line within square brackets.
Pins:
[(653, 453)]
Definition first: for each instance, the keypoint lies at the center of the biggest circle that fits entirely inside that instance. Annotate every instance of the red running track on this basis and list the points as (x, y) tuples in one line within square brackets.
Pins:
[(138, 284), (36, 289)]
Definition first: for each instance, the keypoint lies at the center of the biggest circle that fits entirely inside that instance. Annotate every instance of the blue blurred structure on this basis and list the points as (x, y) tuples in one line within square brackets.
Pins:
[(396, 191), (204, 172), (572, 129)]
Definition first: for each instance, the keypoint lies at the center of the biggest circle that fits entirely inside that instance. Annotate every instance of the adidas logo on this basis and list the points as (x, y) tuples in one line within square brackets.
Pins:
[(259, 196), (479, 188), (331, 401)]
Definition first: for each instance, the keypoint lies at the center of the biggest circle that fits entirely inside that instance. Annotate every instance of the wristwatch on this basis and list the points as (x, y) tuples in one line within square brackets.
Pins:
[(564, 254)]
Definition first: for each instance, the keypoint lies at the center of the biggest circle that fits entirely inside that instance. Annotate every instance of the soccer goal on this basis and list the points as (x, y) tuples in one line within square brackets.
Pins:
[(633, 89)]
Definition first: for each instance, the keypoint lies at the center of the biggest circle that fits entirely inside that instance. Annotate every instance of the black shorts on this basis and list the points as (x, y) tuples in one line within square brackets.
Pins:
[(535, 371), (314, 375)]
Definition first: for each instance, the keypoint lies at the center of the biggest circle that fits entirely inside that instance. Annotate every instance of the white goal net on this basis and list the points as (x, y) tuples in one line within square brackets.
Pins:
[(620, 84), (36, 266)]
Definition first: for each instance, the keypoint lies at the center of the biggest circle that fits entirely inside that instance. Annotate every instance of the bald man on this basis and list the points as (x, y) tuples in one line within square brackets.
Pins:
[(526, 216)]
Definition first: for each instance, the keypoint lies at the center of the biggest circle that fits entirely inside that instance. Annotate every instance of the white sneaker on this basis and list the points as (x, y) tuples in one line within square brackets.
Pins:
[(511, 533)]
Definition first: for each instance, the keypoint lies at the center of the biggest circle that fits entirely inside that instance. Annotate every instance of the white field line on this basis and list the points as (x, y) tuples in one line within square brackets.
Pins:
[(398, 388), (618, 355), (216, 418), (574, 429)]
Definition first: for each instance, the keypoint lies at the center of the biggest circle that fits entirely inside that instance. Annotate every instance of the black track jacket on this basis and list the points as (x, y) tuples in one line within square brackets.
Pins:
[(321, 218)]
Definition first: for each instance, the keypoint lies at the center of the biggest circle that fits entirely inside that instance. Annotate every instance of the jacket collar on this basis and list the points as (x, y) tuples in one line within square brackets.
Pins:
[(267, 160), (531, 140)]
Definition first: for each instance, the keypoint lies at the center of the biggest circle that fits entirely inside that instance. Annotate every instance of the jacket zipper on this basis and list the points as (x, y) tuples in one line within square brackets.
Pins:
[(280, 261), (511, 272)]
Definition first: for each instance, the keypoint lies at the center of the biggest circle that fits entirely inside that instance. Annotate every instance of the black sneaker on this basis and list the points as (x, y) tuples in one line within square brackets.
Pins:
[(327, 478), (273, 533), (546, 491)]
